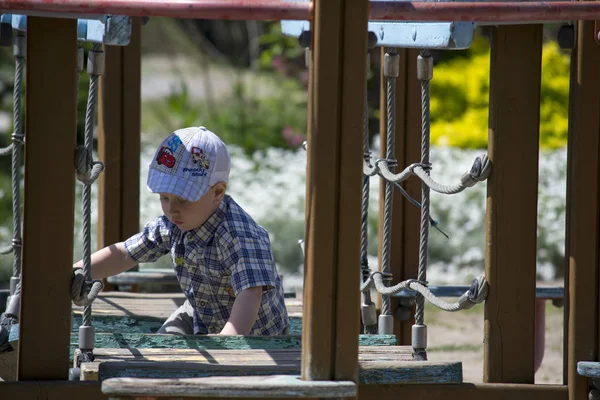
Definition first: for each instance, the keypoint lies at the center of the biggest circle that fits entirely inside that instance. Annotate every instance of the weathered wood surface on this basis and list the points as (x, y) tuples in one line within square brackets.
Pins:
[(8, 366), (511, 218), (51, 128), (51, 390), (582, 212), (273, 386), (158, 305), (370, 372), (145, 324), (464, 391), (377, 365), (65, 390)]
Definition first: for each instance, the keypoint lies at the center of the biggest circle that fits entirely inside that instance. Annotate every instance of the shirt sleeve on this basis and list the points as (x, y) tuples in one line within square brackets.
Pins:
[(251, 263), (151, 243)]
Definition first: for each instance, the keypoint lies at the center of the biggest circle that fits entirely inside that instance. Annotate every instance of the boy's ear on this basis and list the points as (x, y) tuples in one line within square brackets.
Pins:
[(219, 190)]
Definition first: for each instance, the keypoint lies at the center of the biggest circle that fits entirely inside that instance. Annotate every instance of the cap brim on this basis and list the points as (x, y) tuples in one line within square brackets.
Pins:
[(159, 182)]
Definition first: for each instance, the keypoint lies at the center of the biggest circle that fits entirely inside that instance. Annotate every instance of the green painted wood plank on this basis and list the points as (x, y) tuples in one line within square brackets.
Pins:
[(143, 324)]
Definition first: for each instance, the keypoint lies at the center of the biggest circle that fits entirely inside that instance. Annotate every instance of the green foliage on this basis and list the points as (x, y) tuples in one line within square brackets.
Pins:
[(277, 120), (460, 94)]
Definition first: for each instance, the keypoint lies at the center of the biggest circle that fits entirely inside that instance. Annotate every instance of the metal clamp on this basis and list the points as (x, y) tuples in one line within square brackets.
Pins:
[(430, 35), (95, 64), (113, 30), (391, 65), (424, 68)]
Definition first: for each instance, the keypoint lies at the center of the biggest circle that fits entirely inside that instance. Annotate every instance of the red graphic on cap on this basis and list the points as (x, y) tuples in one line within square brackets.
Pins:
[(165, 157)]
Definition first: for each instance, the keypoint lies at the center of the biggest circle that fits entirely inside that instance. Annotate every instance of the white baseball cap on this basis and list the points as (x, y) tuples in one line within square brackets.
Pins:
[(188, 163)]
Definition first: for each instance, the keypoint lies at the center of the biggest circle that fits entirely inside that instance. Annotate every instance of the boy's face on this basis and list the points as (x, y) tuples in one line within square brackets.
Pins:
[(188, 215)]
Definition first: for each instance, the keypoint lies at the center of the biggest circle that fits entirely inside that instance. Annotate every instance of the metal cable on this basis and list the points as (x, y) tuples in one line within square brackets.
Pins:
[(87, 189), (389, 187), (425, 203), (17, 142), (364, 261)]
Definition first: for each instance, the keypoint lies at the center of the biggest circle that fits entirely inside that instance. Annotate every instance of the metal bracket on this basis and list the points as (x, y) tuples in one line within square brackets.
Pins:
[(428, 35), (434, 35), (112, 30)]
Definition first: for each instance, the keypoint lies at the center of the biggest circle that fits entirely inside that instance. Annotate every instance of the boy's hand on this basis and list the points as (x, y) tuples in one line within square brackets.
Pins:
[(83, 293)]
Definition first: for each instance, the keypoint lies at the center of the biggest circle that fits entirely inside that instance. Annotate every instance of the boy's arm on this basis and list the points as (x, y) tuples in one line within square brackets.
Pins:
[(109, 261), (244, 312)]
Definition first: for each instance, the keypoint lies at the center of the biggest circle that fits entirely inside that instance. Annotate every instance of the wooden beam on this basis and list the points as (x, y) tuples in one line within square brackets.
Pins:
[(582, 210), (334, 188), (404, 252), (512, 204), (350, 139), (49, 202), (321, 192), (51, 390), (465, 391), (119, 138)]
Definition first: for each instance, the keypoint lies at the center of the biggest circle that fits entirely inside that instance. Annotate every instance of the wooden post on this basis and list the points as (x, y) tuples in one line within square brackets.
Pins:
[(583, 200), (404, 251), (334, 191), (45, 323), (512, 203), (119, 142)]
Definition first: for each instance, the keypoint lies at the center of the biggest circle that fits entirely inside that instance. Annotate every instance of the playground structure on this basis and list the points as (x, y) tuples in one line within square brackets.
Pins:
[(334, 189)]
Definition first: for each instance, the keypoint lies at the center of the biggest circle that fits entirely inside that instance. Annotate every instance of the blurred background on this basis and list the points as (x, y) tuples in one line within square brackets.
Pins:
[(247, 82)]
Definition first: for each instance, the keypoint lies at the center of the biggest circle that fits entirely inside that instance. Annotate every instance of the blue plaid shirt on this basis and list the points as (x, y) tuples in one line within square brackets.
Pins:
[(229, 253)]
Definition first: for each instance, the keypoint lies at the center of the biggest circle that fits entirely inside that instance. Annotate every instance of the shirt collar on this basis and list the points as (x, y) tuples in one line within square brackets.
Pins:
[(205, 231)]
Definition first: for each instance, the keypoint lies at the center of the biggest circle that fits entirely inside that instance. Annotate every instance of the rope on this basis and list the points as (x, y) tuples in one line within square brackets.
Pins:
[(479, 171), (476, 294)]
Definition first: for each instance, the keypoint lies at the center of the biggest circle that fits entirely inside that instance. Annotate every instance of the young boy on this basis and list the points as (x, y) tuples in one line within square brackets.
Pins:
[(222, 257)]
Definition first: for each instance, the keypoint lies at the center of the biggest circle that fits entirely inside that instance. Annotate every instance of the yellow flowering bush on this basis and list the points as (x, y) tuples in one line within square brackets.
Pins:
[(460, 98)]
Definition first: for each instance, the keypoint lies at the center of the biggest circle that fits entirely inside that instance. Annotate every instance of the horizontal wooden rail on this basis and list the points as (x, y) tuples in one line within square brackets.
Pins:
[(465, 391), (538, 11), (63, 390)]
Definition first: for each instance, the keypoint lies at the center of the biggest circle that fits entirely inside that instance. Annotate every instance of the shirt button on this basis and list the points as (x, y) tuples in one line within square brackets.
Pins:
[(203, 303)]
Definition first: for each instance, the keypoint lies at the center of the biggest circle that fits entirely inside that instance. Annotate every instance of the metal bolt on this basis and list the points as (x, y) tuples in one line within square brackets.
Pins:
[(371, 40), (566, 37), (304, 38)]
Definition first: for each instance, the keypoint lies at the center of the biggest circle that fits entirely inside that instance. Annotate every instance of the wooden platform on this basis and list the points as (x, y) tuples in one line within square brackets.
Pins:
[(377, 364), (126, 347)]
